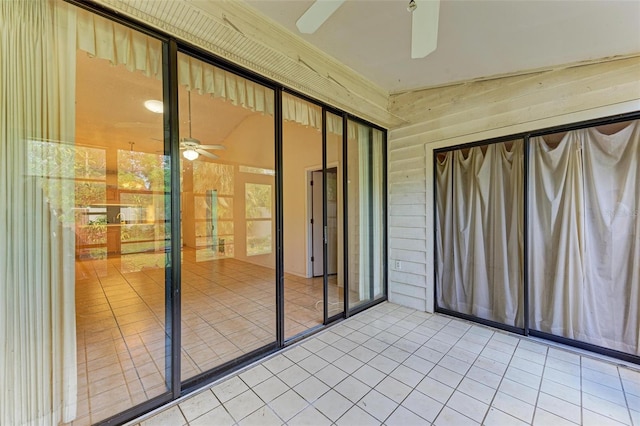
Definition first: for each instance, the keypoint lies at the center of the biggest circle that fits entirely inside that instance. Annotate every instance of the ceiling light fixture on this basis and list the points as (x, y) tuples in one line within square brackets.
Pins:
[(190, 154), (191, 147), (412, 6), (154, 106)]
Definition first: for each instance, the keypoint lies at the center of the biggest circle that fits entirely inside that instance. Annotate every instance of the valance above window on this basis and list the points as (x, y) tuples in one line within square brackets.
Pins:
[(120, 45)]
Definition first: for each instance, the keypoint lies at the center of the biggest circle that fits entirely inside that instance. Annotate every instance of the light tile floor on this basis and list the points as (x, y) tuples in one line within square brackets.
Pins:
[(396, 366), (228, 309)]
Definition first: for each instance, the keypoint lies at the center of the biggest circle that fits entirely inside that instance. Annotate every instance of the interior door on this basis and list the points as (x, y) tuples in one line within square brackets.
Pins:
[(332, 221), (317, 226)]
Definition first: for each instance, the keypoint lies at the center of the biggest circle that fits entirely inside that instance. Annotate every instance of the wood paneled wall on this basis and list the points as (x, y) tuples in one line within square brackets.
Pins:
[(473, 112)]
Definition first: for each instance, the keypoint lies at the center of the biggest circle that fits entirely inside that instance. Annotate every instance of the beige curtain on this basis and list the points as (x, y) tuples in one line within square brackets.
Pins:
[(37, 306), (366, 211), (365, 258), (479, 213), (105, 39), (378, 213), (584, 237), (304, 113), (206, 78)]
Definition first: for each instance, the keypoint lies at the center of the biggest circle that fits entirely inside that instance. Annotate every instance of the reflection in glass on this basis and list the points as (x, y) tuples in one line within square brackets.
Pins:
[(228, 259), (258, 217), (365, 177), (121, 178), (335, 215), (303, 220)]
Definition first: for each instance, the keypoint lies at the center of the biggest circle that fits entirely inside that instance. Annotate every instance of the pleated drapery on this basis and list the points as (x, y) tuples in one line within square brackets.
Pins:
[(364, 201), (377, 206), (37, 277), (120, 45), (479, 232), (584, 237), (366, 211)]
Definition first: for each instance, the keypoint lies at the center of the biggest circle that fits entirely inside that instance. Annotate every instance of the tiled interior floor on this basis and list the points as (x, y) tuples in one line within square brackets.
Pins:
[(228, 309), (396, 366)]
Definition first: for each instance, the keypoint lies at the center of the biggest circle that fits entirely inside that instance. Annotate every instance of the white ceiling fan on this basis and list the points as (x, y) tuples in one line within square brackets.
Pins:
[(192, 148), (424, 22)]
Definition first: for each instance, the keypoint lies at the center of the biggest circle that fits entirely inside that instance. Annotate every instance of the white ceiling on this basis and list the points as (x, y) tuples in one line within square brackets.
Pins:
[(476, 39)]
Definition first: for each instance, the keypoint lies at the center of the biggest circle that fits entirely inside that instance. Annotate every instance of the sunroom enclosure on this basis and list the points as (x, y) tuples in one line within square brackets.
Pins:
[(136, 265)]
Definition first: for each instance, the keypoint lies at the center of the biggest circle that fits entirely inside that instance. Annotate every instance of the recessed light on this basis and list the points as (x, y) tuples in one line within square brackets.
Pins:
[(154, 106)]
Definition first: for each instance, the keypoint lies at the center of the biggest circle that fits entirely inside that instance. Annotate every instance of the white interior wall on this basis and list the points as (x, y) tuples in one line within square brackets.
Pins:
[(302, 152), (251, 144), (472, 112)]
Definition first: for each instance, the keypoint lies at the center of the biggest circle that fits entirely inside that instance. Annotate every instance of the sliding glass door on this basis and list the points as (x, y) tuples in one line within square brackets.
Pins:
[(302, 209), (228, 216), (366, 213), (479, 237), (122, 228), (85, 173), (584, 236), (313, 219), (142, 189), (579, 240), (334, 216)]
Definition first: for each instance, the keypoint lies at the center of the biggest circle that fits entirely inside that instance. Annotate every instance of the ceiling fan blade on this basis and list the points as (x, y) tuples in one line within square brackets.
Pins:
[(315, 16), (206, 153), (212, 147), (424, 28)]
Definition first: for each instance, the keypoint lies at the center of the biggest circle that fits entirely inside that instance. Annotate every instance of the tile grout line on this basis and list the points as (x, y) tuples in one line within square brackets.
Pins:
[(535, 406), (426, 375), (392, 329), (626, 400), (444, 405), (501, 379)]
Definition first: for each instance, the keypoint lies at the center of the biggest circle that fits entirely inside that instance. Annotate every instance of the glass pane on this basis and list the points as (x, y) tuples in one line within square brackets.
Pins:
[(583, 235), (479, 208), (228, 212), (366, 234), (378, 213), (302, 207), (122, 233), (257, 201), (335, 215)]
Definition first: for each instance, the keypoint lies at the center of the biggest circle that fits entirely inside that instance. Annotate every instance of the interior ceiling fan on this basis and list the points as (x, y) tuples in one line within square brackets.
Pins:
[(424, 22), (192, 148)]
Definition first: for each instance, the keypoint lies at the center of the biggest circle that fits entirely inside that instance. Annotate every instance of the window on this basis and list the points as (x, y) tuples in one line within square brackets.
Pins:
[(258, 215)]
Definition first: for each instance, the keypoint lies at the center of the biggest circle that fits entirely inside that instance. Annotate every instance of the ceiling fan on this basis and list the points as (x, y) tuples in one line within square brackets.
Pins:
[(424, 22), (192, 148)]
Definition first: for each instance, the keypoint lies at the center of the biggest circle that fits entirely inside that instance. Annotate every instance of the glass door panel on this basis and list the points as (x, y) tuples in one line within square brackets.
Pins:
[(228, 216), (303, 215), (121, 179), (584, 230), (365, 200), (334, 196), (479, 231)]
